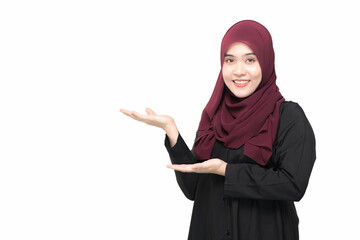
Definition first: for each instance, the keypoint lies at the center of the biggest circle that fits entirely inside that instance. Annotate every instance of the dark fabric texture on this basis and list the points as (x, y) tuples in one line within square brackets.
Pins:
[(252, 201), (250, 121)]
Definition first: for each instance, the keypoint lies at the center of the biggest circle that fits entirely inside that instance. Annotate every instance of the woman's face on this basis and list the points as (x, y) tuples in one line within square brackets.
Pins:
[(241, 70)]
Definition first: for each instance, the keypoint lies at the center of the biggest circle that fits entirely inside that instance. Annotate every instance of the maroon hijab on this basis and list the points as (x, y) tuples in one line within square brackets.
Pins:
[(250, 121)]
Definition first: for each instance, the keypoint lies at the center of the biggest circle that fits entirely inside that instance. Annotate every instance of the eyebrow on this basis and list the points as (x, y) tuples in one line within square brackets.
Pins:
[(246, 54)]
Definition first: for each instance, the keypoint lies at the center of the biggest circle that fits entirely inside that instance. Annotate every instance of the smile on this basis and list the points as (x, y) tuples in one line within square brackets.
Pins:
[(241, 83)]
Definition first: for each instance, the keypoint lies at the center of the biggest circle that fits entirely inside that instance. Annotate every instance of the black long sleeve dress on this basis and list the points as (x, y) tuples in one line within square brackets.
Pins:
[(252, 202)]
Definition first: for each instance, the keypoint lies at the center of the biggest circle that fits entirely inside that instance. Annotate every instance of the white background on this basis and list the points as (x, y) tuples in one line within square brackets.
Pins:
[(73, 167)]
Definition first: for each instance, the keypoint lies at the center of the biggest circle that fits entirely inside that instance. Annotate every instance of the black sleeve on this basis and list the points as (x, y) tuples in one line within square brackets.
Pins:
[(181, 154), (293, 159)]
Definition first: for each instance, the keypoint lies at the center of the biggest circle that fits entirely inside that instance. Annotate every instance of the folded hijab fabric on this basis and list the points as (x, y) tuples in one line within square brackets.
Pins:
[(250, 121)]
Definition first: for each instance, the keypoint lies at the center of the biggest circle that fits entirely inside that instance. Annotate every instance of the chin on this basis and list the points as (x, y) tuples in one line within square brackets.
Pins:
[(240, 94)]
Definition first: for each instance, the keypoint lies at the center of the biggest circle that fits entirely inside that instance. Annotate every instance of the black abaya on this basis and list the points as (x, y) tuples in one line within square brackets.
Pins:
[(252, 202)]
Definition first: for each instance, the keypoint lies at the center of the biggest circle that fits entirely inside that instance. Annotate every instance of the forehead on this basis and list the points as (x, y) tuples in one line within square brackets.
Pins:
[(238, 48)]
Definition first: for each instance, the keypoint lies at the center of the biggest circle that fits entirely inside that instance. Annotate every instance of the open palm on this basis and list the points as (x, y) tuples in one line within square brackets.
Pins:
[(150, 118)]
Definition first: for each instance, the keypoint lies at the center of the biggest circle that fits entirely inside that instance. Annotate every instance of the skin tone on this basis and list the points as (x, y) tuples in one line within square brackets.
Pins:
[(240, 64)]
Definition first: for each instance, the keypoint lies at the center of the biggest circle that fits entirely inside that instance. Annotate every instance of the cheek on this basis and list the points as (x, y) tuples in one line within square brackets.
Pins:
[(256, 73), (226, 72)]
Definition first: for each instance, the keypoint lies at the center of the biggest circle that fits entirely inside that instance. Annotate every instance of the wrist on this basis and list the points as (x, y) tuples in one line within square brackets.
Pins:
[(172, 132), (170, 126), (222, 169)]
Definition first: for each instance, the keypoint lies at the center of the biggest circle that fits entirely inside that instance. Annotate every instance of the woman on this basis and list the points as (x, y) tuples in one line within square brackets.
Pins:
[(253, 152)]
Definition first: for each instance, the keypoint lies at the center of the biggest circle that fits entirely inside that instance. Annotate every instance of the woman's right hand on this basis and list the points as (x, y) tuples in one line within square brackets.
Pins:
[(164, 122), (153, 119)]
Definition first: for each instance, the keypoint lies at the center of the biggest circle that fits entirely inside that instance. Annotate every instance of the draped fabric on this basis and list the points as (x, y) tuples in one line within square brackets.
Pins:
[(250, 121)]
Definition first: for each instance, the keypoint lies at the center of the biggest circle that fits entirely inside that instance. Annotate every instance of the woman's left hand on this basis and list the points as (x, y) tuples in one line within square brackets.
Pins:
[(214, 165)]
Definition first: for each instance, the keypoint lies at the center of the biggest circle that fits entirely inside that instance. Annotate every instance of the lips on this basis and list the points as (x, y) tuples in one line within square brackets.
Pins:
[(241, 82)]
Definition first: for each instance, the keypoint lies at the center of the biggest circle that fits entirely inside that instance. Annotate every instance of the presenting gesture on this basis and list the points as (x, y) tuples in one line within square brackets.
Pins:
[(153, 119), (215, 165), (164, 122), (167, 123)]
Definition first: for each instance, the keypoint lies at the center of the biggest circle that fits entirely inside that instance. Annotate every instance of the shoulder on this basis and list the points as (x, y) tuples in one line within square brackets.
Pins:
[(291, 109), (295, 136), (290, 113), (292, 119)]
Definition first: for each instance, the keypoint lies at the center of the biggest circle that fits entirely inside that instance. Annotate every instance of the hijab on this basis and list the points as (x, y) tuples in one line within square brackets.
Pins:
[(250, 121)]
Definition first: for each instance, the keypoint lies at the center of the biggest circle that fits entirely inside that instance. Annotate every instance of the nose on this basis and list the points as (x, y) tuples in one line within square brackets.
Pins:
[(239, 69)]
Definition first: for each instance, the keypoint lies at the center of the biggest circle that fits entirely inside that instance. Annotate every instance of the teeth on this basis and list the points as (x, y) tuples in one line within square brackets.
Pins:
[(241, 82)]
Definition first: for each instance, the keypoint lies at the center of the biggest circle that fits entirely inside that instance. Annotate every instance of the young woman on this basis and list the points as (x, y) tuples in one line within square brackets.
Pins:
[(253, 152)]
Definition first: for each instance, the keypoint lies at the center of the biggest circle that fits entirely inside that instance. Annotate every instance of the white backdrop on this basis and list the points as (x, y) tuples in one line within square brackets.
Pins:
[(73, 167)]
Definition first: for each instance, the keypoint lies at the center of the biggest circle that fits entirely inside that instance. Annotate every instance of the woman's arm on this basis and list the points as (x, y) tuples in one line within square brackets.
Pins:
[(294, 156), (214, 165), (164, 122), (172, 132), (181, 154), (177, 148)]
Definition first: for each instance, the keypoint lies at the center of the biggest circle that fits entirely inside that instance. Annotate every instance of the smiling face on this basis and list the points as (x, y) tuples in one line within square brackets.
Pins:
[(241, 70)]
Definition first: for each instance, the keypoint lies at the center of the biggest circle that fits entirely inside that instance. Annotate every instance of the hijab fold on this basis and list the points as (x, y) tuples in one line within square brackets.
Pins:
[(250, 121)]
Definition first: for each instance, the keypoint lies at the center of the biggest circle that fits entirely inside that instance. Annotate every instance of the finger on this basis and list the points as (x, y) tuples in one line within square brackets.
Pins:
[(181, 167), (126, 112), (133, 115), (138, 116), (196, 168), (150, 111)]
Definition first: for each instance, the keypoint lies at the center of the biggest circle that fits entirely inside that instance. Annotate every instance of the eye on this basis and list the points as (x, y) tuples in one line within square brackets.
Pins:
[(250, 60), (229, 60)]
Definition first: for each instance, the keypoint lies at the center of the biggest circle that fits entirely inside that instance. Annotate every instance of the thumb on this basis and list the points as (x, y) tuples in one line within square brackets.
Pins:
[(150, 111)]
